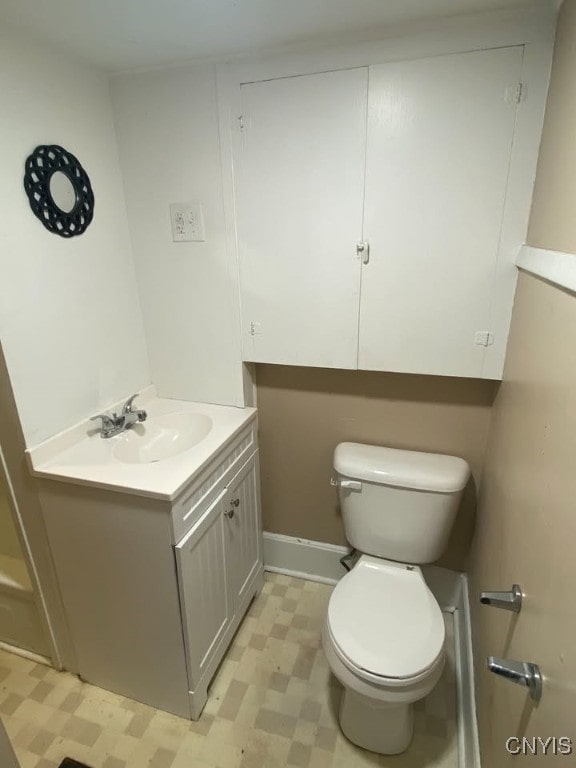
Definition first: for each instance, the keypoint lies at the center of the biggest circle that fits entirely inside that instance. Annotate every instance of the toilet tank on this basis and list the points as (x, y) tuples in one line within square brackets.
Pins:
[(396, 504)]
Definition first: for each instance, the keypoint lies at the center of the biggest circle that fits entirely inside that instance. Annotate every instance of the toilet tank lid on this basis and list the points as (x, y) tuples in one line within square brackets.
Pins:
[(404, 469)]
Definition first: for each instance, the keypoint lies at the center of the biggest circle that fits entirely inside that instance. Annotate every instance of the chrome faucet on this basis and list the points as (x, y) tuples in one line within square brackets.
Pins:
[(132, 415), (113, 424), (520, 672)]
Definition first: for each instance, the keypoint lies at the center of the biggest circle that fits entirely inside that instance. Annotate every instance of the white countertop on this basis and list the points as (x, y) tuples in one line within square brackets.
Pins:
[(81, 456)]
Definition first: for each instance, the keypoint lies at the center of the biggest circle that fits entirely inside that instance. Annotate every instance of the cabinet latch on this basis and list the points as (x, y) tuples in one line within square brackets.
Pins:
[(484, 338), (363, 251)]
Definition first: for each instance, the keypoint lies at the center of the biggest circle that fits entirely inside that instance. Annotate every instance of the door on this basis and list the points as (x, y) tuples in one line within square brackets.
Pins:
[(203, 584), (243, 530), (299, 208), (440, 133), (7, 756)]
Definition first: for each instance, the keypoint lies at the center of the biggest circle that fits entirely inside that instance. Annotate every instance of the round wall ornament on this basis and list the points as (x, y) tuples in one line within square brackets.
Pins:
[(59, 190)]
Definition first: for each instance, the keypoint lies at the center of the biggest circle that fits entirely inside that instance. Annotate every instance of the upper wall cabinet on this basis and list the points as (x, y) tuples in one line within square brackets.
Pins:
[(300, 201), (440, 133), (370, 206)]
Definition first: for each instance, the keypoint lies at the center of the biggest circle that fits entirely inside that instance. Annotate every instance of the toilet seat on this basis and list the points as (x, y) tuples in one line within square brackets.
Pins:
[(384, 623)]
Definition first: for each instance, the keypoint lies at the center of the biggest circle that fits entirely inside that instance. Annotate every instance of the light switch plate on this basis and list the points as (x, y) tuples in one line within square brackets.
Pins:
[(187, 222)]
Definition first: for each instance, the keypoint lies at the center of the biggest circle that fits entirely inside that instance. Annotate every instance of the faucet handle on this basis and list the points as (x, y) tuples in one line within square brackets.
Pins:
[(127, 407), (107, 421), (520, 672)]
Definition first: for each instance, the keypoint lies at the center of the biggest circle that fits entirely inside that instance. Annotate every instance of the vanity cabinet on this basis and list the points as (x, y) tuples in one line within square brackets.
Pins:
[(241, 510), (155, 588), (372, 213), (205, 595), (218, 561)]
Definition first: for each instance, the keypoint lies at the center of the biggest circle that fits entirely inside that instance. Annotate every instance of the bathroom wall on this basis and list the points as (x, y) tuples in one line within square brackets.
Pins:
[(526, 522), (52, 637), (167, 125), (9, 544), (305, 412), (70, 320), (552, 222)]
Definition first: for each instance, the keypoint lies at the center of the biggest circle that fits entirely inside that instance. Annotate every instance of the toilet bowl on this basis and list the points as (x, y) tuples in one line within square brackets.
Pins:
[(384, 631), (384, 640)]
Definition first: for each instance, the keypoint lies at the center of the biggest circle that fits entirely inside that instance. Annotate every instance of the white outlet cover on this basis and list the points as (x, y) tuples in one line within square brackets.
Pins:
[(187, 220)]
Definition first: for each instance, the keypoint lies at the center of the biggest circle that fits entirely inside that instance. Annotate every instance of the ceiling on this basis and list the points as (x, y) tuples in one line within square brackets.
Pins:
[(126, 34)]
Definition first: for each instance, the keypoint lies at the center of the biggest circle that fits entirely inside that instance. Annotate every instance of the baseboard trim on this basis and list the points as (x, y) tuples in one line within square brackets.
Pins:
[(301, 575), (468, 745), (318, 561), (30, 655), (313, 560)]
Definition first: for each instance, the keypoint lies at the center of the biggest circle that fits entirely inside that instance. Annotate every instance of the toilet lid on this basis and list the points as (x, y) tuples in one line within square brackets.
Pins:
[(385, 621)]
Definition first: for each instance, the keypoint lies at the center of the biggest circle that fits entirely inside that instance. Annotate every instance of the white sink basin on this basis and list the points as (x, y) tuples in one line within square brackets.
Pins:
[(161, 437)]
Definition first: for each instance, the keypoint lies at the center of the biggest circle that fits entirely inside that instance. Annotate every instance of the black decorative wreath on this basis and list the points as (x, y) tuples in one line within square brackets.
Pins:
[(41, 165)]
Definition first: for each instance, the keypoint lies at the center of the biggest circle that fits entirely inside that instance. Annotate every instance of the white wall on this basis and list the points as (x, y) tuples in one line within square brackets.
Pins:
[(167, 127), (70, 321)]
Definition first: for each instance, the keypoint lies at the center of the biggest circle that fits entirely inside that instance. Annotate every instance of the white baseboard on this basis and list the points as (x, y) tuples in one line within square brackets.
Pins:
[(30, 655), (468, 745), (317, 561), (313, 560)]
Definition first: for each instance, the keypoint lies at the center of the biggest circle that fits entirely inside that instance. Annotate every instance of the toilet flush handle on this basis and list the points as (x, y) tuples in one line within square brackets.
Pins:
[(350, 485)]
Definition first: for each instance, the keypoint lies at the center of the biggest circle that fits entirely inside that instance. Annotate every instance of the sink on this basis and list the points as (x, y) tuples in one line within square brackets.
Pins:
[(161, 437)]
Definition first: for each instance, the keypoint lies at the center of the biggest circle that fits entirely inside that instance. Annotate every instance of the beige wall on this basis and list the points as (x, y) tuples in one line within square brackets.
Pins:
[(552, 220), (9, 544), (305, 412), (526, 529)]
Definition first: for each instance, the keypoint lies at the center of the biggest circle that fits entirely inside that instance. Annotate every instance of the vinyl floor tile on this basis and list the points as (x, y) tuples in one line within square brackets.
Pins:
[(273, 703)]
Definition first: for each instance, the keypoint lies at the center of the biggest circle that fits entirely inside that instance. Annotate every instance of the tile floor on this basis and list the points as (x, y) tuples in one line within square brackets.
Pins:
[(272, 703)]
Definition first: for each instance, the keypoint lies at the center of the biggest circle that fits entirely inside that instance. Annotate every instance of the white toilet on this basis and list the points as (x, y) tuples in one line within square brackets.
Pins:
[(384, 631)]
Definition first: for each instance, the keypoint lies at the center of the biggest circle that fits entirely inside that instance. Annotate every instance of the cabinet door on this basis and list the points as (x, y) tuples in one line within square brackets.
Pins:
[(299, 205), (243, 529), (440, 132), (203, 584)]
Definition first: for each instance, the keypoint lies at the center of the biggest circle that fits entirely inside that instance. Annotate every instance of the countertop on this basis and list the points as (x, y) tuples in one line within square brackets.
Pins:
[(81, 456)]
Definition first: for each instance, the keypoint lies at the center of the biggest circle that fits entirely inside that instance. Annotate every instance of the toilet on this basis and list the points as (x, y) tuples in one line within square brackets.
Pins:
[(384, 631)]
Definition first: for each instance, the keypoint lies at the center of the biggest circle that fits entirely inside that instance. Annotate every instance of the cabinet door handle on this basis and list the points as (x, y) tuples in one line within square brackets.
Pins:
[(229, 514), (363, 250), (235, 502)]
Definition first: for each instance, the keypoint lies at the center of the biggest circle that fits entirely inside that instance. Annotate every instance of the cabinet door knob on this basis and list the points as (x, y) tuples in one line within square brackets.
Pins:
[(235, 502), (229, 514), (363, 251)]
